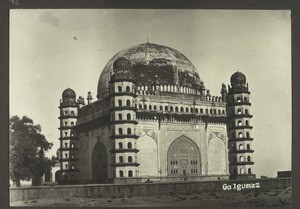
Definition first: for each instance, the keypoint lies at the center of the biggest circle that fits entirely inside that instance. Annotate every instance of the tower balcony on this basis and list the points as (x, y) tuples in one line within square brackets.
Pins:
[(67, 104), (124, 164), (69, 159), (70, 170), (124, 121), (120, 78), (68, 149), (123, 108), (241, 151), (240, 139), (114, 94), (240, 116), (68, 138), (124, 150), (67, 116), (123, 136), (240, 127), (238, 104), (66, 127), (241, 163)]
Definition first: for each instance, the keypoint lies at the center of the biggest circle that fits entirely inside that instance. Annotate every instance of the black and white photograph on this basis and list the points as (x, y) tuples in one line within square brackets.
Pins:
[(150, 108)]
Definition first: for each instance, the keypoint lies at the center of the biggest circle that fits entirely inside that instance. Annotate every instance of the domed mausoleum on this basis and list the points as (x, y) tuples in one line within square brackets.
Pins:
[(154, 119)]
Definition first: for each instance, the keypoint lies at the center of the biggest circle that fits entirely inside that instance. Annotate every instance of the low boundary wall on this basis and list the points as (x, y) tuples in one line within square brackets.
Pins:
[(144, 189)]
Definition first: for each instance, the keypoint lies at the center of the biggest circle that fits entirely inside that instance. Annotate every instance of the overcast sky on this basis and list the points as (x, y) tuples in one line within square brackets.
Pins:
[(45, 59)]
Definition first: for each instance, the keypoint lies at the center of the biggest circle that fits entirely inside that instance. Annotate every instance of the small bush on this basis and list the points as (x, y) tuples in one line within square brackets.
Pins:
[(109, 200), (67, 199)]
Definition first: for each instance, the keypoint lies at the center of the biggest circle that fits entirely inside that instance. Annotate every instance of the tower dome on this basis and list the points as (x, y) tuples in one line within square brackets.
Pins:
[(238, 78), (148, 60), (69, 93), (121, 64)]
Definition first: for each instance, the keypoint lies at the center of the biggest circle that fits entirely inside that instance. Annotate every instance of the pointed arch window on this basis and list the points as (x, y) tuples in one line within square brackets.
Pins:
[(127, 89), (128, 103), (128, 131), (120, 131), (119, 88), (120, 102), (129, 145), (130, 173), (129, 159), (128, 116), (247, 135), (121, 173), (120, 116), (120, 159), (120, 145)]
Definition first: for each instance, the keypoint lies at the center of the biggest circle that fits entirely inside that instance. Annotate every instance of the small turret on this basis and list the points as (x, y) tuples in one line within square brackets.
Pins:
[(89, 98), (224, 92)]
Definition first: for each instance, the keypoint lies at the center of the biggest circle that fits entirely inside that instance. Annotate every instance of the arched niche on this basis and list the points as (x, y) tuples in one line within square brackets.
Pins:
[(147, 156), (216, 157), (183, 158), (99, 162)]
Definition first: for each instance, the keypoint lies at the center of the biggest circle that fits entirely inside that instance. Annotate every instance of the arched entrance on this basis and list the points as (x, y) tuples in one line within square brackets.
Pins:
[(147, 156), (99, 162), (48, 176), (57, 176), (183, 158)]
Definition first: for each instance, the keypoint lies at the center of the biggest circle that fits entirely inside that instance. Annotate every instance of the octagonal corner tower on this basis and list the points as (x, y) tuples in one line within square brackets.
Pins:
[(149, 60)]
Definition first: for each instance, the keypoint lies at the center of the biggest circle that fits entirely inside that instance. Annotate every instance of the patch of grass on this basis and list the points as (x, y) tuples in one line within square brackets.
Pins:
[(121, 196), (129, 196), (109, 200), (158, 196), (33, 201), (256, 193), (67, 199), (182, 198)]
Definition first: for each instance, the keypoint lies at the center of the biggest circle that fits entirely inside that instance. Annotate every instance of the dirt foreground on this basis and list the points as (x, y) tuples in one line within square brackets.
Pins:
[(251, 198)]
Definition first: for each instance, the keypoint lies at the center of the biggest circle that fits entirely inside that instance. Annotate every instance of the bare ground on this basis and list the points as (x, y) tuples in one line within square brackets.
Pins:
[(275, 198)]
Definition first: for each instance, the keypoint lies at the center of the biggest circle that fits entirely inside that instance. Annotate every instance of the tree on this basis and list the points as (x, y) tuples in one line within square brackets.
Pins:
[(27, 150)]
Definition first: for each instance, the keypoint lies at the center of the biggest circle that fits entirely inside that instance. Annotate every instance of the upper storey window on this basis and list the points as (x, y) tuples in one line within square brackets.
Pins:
[(245, 99), (127, 89), (72, 112), (119, 88), (238, 99), (120, 102)]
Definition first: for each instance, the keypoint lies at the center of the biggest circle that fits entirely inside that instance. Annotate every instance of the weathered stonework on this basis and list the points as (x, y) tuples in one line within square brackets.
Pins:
[(164, 128)]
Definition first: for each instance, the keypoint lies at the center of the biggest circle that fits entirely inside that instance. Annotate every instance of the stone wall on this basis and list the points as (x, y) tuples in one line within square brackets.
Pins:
[(141, 189)]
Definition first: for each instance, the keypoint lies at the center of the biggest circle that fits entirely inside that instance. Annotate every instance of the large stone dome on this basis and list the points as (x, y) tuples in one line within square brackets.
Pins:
[(150, 59)]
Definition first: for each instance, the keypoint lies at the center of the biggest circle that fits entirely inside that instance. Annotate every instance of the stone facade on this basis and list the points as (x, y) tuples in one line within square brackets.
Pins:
[(138, 130)]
